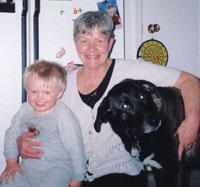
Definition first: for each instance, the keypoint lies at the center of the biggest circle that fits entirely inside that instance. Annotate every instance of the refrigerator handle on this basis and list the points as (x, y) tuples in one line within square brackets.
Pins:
[(36, 29), (24, 42)]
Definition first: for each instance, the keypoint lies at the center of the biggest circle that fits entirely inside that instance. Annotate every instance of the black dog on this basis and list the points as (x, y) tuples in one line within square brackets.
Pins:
[(146, 118)]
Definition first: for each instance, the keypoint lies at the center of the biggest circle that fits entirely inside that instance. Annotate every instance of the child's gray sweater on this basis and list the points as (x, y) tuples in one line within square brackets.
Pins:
[(63, 157)]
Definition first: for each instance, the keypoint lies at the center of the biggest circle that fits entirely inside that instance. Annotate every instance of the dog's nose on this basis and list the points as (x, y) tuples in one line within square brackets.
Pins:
[(151, 123), (153, 120)]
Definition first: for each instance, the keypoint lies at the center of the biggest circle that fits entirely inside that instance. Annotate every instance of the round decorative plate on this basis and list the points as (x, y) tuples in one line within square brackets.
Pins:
[(153, 51)]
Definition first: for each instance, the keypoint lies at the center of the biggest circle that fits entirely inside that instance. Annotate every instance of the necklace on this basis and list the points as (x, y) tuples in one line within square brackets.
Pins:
[(94, 92)]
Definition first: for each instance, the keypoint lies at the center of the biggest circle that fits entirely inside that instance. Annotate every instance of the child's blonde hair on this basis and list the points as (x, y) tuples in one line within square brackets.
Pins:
[(47, 72)]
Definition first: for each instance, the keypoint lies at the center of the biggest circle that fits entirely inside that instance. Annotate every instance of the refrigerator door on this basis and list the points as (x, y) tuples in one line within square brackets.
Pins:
[(10, 71), (56, 20)]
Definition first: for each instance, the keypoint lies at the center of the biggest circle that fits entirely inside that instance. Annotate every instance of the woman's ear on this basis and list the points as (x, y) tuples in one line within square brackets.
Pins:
[(111, 43)]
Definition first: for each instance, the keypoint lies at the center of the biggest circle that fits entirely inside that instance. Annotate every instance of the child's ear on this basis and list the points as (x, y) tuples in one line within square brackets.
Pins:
[(59, 95)]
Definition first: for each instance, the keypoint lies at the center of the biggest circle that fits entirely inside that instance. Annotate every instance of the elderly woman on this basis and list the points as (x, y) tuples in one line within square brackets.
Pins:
[(108, 163)]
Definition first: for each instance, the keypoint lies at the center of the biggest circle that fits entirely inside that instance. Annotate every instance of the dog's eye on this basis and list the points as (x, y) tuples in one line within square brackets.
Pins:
[(139, 97), (125, 106)]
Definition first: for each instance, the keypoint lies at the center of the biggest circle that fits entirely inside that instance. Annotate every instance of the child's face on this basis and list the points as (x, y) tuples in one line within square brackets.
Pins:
[(42, 96)]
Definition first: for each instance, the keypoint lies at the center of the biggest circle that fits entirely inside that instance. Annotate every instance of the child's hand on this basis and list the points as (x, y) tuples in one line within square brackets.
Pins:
[(11, 168)]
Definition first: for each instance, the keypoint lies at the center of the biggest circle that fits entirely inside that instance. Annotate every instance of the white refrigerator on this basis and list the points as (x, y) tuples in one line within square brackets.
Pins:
[(40, 29)]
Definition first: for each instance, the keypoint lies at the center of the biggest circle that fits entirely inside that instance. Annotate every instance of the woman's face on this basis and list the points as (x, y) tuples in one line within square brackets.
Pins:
[(93, 49)]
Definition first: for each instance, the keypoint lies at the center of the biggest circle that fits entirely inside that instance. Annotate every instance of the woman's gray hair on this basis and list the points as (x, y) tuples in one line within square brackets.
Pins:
[(88, 20)]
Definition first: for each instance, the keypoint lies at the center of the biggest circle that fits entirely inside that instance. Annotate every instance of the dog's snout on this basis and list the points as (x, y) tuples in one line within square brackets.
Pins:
[(151, 123), (153, 120)]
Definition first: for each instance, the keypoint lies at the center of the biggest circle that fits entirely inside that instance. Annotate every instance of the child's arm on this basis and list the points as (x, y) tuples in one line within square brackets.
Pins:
[(74, 183), (11, 168)]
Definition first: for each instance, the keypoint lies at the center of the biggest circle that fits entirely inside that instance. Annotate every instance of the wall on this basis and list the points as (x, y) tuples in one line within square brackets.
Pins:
[(133, 27)]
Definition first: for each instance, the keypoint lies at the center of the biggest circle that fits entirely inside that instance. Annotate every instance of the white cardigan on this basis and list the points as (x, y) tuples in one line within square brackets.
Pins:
[(105, 151)]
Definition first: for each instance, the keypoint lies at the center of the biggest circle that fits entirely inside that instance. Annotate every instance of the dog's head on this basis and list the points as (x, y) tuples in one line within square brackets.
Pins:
[(130, 109)]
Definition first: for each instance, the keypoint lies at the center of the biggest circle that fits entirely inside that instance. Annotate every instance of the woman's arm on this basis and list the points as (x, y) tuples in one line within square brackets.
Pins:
[(187, 132)]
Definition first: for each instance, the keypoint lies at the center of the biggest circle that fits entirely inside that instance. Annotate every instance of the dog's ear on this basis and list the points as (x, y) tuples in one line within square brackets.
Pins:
[(103, 114), (148, 86), (154, 91)]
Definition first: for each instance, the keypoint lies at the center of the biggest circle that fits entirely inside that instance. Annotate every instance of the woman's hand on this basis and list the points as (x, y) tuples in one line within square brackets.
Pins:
[(25, 146), (11, 169), (74, 183), (187, 134), (188, 130)]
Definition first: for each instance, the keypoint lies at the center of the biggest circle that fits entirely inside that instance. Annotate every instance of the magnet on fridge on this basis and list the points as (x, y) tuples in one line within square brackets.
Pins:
[(62, 12), (61, 53)]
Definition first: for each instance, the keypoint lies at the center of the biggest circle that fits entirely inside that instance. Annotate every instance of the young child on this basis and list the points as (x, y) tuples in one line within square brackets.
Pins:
[(63, 162)]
